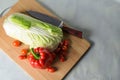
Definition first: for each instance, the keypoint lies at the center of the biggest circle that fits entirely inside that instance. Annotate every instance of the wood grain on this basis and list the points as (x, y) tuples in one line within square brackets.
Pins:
[(77, 49)]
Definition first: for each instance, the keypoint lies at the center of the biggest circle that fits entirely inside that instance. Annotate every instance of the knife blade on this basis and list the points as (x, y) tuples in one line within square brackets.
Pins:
[(54, 21)]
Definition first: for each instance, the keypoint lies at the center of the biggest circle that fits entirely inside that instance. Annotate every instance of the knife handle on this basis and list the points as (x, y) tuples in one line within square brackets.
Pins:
[(72, 31)]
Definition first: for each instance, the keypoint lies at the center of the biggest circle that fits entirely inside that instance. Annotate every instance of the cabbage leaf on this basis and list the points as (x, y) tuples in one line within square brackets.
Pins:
[(32, 32)]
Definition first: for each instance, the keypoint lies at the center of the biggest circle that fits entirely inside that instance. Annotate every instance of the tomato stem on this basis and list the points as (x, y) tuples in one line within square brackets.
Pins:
[(35, 55)]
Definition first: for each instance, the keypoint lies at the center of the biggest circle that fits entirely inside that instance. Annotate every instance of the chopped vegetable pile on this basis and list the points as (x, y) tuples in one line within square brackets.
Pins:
[(42, 58)]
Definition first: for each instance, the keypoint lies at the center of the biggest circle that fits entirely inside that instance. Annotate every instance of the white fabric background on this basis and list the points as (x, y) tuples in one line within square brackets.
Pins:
[(100, 20)]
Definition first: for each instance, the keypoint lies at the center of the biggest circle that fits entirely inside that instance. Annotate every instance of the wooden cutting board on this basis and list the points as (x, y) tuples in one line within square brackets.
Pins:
[(76, 51)]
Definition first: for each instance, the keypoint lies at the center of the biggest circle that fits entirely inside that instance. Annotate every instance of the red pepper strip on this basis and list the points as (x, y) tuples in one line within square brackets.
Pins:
[(35, 55)]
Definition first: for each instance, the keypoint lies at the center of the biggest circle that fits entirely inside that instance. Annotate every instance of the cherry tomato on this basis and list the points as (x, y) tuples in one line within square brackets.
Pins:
[(16, 43), (37, 64), (32, 62), (51, 69), (43, 56), (22, 57), (30, 57), (64, 48), (24, 51), (66, 42), (62, 58), (41, 49), (36, 50), (42, 62)]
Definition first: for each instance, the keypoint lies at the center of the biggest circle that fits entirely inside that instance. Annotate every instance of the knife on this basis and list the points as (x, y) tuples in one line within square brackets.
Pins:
[(54, 21)]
